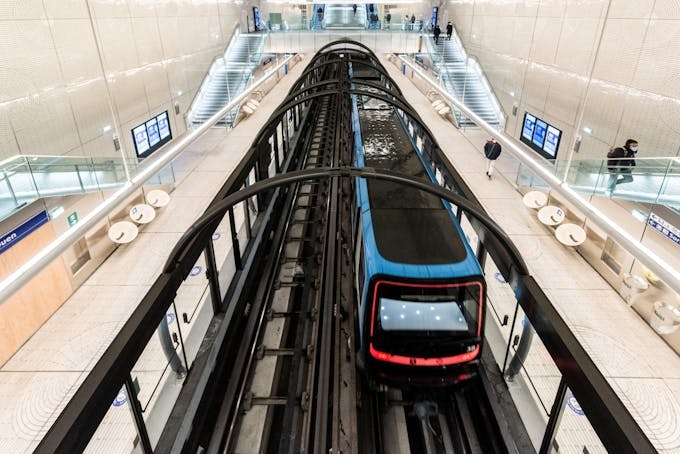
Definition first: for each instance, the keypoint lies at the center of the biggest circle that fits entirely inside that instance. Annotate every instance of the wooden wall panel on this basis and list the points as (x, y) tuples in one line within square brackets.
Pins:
[(23, 313)]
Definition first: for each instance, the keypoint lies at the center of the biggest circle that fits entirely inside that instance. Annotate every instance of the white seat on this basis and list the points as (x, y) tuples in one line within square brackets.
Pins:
[(253, 101), (436, 103), (444, 110), (123, 232), (157, 198), (551, 215), (252, 105), (535, 199), (570, 234), (247, 110), (142, 213)]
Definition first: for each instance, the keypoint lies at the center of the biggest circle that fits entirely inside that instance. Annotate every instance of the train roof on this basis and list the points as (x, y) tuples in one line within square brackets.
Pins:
[(409, 225)]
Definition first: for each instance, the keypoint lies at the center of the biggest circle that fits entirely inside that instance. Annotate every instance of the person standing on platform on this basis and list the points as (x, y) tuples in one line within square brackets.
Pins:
[(492, 150), (413, 22), (437, 32), (449, 31), (354, 8)]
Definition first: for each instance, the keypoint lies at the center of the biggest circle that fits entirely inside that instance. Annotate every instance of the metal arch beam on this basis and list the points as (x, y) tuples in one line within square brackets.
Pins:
[(312, 68), (340, 41), (276, 115), (402, 105), (377, 86), (306, 88), (220, 208)]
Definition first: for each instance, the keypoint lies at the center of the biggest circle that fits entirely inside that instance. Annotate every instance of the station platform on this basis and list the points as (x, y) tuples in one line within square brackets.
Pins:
[(38, 380)]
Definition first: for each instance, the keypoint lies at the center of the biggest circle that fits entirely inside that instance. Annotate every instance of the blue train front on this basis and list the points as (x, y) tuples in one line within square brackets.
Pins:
[(420, 289)]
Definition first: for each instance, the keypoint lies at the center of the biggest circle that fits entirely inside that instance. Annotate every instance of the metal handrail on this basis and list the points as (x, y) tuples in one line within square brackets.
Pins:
[(652, 261), (32, 267)]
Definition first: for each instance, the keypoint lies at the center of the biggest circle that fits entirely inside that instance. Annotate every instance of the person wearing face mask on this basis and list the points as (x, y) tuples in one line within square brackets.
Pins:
[(619, 162)]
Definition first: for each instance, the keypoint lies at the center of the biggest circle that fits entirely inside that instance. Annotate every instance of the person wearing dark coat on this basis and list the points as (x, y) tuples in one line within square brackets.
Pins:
[(354, 8), (449, 31), (492, 150), (437, 32), (619, 163)]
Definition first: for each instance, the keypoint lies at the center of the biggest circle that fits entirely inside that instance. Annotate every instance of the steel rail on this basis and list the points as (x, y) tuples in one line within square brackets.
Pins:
[(652, 261), (15, 281)]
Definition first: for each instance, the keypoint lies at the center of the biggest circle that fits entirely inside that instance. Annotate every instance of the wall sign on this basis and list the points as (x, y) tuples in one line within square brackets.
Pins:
[(72, 219), (11, 238), (664, 227)]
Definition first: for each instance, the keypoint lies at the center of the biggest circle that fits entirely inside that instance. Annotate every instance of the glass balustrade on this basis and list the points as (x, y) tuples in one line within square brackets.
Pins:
[(25, 178), (651, 180)]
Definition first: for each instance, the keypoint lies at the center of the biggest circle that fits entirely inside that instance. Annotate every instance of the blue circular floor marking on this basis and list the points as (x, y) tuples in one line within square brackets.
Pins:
[(120, 399), (216, 236), (499, 277), (195, 271), (574, 405), (170, 318)]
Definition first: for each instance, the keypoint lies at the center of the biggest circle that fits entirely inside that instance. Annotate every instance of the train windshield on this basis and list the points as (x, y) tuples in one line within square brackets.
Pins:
[(404, 315), (451, 310)]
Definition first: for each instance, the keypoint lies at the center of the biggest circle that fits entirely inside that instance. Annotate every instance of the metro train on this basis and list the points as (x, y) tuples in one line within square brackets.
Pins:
[(420, 288)]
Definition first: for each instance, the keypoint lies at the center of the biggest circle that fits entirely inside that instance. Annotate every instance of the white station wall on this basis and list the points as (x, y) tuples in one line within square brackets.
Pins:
[(612, 66), (75, 72)]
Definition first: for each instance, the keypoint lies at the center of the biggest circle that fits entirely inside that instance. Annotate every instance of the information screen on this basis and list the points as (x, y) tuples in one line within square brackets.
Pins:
[(528, 129), (163, 125), (141, 139), (541, 136), (539, 133), (552, 141), (152, 134)]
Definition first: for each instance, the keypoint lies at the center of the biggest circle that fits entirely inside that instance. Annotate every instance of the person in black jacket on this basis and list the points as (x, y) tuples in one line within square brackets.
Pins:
[(619, 163), (449, 31), (492, 150), (437, 32)]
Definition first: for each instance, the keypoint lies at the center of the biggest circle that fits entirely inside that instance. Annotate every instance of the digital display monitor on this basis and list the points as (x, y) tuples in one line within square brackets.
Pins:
[(152, 134), (539, 133), (528, 129), (163, 125), (141, 139), (540, 136), (552, 141)]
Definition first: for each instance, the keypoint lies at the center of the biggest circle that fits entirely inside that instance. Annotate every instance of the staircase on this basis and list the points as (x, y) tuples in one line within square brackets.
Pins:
[(343, 17), (464, 79), (228, 77)]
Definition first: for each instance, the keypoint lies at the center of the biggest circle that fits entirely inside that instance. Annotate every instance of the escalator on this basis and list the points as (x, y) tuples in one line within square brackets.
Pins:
[(343, 16), (318, 16)]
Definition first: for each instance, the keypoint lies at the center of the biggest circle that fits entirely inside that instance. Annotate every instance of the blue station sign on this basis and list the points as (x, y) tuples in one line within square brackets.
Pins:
[(11, 238)]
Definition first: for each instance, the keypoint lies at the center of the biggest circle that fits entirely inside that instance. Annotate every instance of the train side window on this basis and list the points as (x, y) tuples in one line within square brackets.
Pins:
[(359, 268)]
